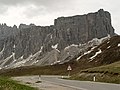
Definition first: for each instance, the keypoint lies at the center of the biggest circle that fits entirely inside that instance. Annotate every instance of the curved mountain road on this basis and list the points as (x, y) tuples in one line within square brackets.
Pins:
[(56, 83)]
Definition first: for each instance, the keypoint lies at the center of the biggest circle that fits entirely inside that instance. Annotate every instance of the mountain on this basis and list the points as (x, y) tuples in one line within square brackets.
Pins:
[(102, 60), (68, 38), (106, 53)]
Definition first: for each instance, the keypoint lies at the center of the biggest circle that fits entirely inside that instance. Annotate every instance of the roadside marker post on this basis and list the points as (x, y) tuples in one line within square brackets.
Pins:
[(69, 69), (39, 78), (94, 78)]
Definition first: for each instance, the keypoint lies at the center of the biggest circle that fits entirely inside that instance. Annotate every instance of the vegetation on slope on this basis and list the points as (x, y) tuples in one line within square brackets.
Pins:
[(107, 73), (8, 84), (113, 68), (47, 70)]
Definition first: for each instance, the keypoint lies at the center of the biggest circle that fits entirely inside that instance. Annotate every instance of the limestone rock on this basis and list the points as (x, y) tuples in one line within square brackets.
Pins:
[(28, 39)]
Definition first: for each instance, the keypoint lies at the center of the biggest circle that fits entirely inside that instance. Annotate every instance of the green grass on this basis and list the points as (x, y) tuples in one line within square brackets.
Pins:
[(9, 84), (113, 68), (107, 73), (45, 70)]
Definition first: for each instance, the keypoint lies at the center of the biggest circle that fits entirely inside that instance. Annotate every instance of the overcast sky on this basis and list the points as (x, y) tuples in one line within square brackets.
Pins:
[(43, 12)]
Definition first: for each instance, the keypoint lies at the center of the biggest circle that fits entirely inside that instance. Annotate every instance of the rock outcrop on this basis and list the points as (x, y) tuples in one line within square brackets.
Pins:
[(82, 28), (31, 44)]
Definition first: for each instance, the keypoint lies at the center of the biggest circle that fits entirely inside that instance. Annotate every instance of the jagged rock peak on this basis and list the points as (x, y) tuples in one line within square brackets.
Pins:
[(24, 26)]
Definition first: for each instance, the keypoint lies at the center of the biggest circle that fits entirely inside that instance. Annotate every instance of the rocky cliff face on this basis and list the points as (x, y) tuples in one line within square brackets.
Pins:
[(36, 45), (83, 28)]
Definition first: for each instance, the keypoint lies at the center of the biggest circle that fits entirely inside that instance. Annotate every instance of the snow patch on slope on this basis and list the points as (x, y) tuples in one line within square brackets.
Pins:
[(51, 36), (119, 45), (92, 43), (21, 63), (35, 62), (6, 60), (55, 47), (79, 57), (99, 41), (72, 45), (21, 57), (2, 50), (55, 62), (95, 54), (30, 58), (108, 42), (85, 53), (41, 49), (108, 47)]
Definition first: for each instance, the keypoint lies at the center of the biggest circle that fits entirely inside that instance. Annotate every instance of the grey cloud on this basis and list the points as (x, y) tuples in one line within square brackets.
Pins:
[(12, 2), (33, 11), (49, 5), (38, 2), (3, 9), (63, 7)]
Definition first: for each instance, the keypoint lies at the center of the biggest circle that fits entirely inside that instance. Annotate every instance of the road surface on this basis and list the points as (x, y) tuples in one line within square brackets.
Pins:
[(44, 85), (56, 83)]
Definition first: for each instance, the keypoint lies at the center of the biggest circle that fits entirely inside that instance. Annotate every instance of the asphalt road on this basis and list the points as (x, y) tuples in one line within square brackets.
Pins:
[(81, 85), (44, 85), (75, 85)]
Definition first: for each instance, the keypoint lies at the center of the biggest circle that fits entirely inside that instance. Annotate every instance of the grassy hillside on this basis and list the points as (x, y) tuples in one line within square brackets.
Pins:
[(113, 68), (47, 70), (107, 73), (8, 84)]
